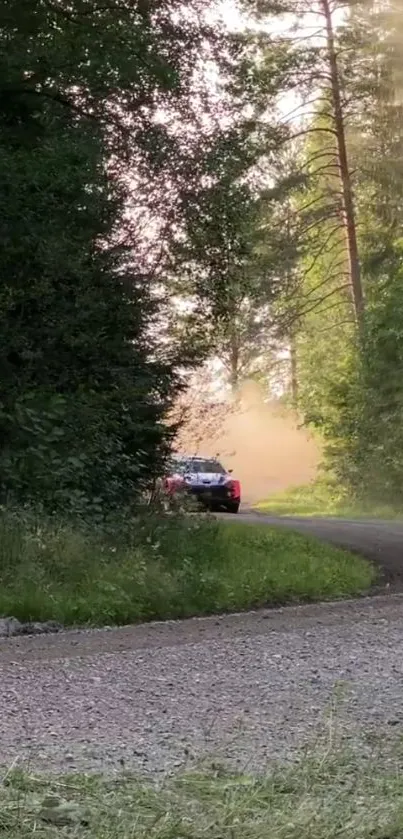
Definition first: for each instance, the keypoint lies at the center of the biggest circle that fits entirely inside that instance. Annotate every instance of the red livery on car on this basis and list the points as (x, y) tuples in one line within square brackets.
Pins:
[(206, 479)]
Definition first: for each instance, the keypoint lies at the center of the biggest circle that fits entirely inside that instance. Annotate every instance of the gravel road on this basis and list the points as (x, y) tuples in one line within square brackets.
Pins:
[(245, 688)]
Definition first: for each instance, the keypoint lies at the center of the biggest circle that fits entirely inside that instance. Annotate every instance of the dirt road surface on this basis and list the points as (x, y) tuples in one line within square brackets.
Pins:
[(244, 689)]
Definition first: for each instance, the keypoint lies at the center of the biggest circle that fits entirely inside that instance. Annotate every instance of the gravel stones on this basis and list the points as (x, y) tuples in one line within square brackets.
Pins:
[(242, 690), (10, 627)]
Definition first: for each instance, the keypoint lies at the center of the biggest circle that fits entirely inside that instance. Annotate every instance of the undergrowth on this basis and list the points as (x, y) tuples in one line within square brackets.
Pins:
[(322, 499), (157, 566)]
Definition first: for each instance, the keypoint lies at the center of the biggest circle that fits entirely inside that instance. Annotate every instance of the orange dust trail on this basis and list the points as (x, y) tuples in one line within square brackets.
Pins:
[(264, 446)]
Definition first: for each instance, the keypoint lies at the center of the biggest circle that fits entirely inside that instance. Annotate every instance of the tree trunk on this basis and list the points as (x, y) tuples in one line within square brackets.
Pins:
[(345, 178), (234, 364), (293, 372)]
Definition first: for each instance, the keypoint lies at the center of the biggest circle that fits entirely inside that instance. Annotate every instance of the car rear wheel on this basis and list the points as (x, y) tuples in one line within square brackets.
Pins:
[(232, 507)]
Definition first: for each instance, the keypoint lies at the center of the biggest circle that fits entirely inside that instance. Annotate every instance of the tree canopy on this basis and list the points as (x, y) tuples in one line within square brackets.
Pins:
[(173, 191)]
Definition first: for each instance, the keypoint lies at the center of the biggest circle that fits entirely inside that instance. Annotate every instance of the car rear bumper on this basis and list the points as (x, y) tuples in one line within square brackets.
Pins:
[(213, 494)]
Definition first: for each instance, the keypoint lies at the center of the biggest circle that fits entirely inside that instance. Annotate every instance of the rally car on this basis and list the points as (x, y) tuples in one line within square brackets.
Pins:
[(206, 479)]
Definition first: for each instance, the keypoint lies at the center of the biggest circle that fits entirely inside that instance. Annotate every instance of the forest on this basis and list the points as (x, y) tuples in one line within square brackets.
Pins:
[(181, 182)]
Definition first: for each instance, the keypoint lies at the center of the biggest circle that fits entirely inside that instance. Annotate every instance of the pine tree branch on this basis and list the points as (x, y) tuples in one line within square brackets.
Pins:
[(350, 322), (318, 156), (306, 131), (285, 324), (324, 248), (310, 114), (322, 299), (329, 277), (326, 168), (333, 213)]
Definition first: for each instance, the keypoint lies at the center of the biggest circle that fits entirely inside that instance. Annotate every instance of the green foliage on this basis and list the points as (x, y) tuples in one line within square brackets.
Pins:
[(369, 421), (130, 176), (366, 429), (81, 398), (328, 497), (161, 567), (219, 233), (85, 162), (228, 250), (349, 388), (316, 308)]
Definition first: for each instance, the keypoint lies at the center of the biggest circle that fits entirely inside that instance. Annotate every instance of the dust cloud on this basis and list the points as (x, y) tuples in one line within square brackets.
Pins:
[(264, 446)]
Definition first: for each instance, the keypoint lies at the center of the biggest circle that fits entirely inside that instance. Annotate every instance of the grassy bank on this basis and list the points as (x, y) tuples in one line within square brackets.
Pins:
[(156, 568), (324, 795), (320, 500)]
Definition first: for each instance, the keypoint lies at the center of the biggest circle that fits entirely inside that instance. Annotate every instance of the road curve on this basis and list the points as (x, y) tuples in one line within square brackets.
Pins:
[(244, 688), (379, 541)]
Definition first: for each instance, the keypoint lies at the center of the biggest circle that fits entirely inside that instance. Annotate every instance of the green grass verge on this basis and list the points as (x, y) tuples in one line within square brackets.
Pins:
[(158, 568), (323, 796), (319, 500)]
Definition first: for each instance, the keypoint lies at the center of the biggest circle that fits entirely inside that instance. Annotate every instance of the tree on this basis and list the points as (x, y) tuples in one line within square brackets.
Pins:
[(318, 74), (89, 95), (318, 307), (344, 171), (82, 397), (369, 417), (201, 411), (351, 392)]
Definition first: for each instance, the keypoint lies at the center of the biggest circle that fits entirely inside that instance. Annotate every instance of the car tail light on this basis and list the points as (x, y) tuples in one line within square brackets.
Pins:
[(173, 484), (235, 487)]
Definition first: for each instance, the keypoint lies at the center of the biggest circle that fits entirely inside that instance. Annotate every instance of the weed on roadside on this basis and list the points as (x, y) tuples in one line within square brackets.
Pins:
[(161, 567), (322, 796)]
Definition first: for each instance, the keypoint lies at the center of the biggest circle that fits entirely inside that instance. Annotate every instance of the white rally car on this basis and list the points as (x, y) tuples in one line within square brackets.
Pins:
[(206, 479)]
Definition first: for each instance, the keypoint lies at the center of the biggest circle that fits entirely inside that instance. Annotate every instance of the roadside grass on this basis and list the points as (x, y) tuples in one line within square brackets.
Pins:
[(320, 499), (162, 567), (324, 795)]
